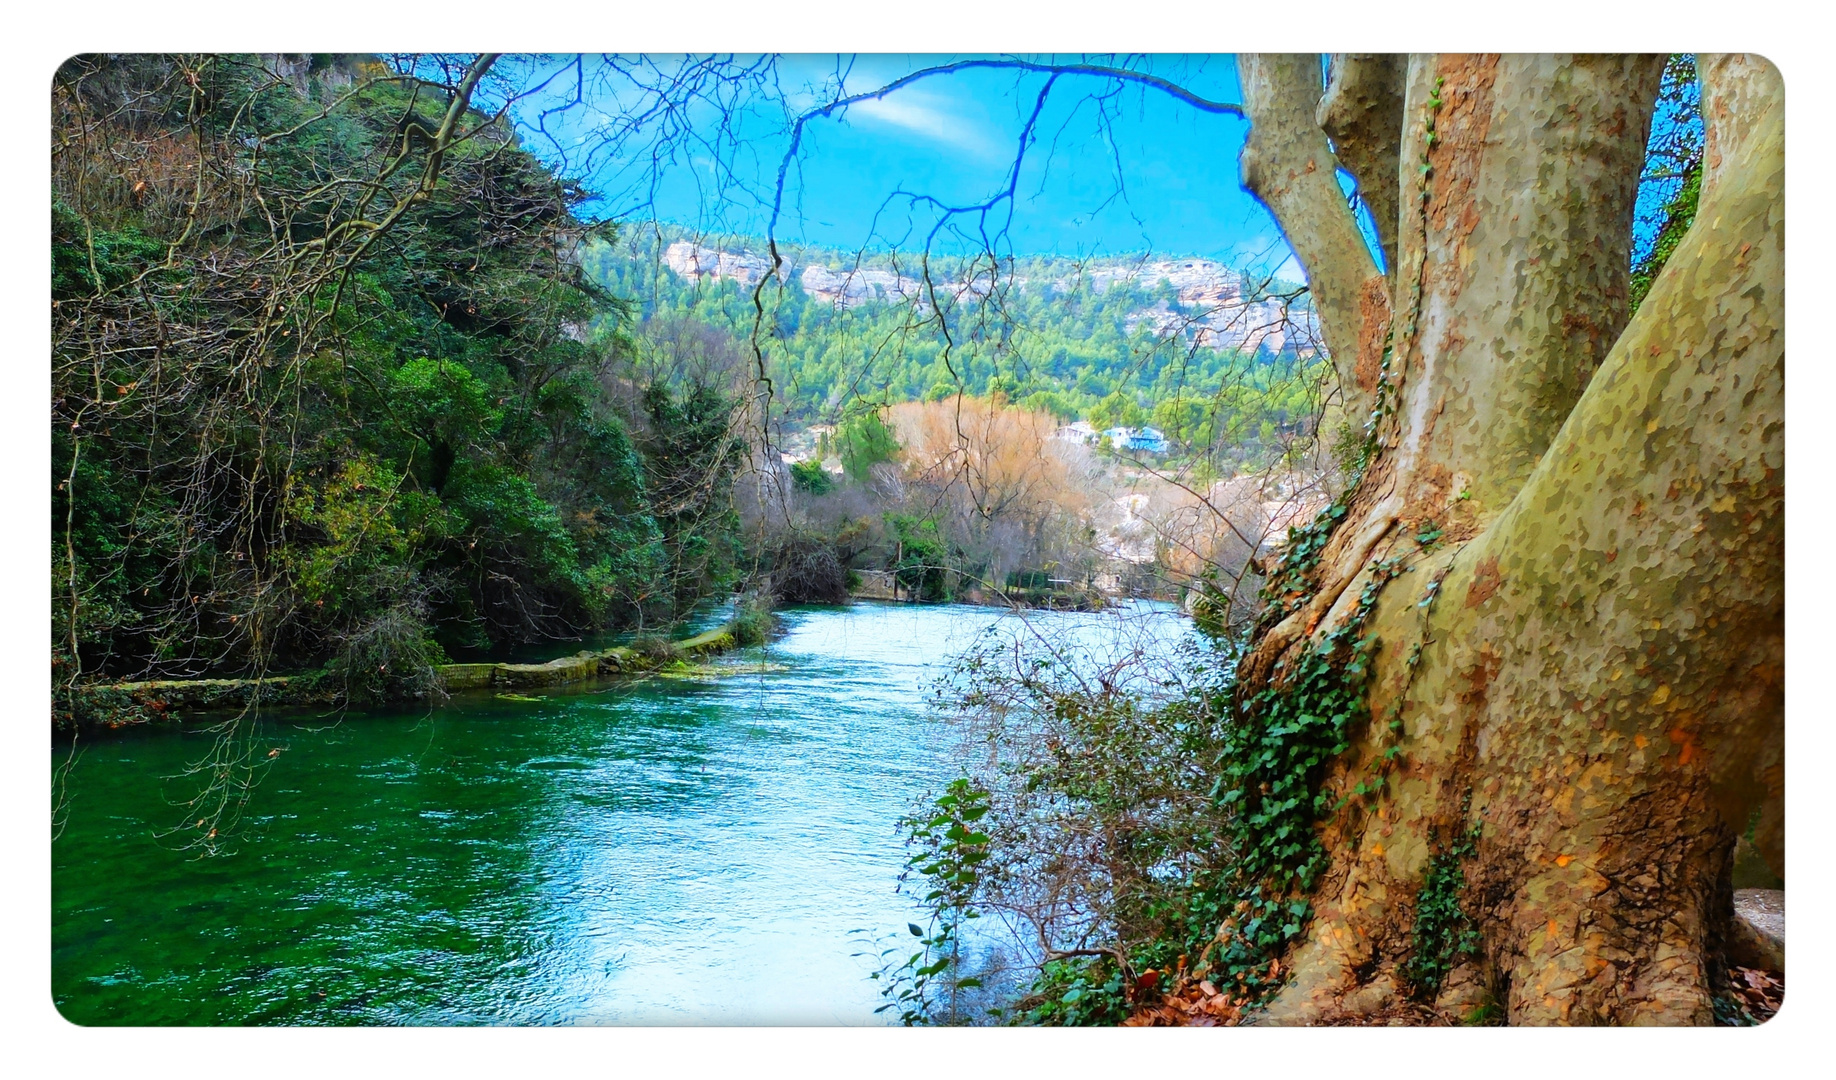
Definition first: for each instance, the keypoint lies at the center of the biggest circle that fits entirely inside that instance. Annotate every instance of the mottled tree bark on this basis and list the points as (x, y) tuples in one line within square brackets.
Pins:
[(1741, 93), (1288, 165), (1597, 634), (1511, 284), (1362, 113)]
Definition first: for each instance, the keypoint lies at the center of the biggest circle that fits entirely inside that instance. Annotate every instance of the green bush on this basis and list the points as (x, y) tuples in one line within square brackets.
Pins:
[(811, 478), (753, 620), (923, 565)]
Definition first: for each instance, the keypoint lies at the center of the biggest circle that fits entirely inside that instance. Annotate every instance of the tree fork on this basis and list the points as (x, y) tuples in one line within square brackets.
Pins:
[(1600, 666), (1489, 355)]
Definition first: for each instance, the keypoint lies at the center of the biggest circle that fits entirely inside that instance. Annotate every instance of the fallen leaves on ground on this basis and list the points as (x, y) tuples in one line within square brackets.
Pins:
[(1190, 1004), (1198, 1003), (1760, 992)]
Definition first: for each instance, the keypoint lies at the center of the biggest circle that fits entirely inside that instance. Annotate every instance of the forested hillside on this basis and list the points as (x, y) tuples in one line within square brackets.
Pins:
[(1222, 361), (322, 396)]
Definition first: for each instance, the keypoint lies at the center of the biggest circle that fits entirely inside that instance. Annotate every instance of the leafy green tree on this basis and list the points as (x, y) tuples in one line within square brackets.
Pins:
[(863, 440), (811, 478), (1118, 410), (691, 452)]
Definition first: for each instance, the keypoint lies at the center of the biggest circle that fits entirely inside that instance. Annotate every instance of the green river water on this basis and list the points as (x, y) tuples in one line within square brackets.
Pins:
[(662, 852)]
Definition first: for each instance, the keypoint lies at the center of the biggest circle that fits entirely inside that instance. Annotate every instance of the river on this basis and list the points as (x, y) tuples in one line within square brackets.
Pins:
[(719, 850)]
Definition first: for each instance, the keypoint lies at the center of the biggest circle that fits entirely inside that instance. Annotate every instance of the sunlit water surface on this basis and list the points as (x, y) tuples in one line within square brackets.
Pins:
[(718, 851)]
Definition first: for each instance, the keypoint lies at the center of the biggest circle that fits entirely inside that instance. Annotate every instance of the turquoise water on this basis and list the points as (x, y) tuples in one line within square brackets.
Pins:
[(662, 852)]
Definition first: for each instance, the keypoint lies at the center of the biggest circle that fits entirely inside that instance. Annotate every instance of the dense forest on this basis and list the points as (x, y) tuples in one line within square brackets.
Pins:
[(323, 396), (1053, 335)]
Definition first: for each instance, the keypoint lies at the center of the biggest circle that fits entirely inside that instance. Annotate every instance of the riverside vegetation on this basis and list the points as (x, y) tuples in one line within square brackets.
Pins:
[(322, 400), (289, 438)]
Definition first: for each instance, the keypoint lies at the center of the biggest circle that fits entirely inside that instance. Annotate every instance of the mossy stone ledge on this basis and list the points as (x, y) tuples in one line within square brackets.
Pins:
[(116, 705)]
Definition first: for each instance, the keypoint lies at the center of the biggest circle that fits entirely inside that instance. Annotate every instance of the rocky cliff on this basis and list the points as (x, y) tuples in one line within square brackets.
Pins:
[(1209, 306)]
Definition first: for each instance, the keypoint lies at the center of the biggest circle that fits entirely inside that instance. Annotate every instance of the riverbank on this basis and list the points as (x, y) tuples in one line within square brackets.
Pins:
[(113, 706), (884, 585), (129, 704)]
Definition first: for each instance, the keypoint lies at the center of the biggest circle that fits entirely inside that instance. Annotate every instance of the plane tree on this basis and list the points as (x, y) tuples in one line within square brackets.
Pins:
[(1523, 683)]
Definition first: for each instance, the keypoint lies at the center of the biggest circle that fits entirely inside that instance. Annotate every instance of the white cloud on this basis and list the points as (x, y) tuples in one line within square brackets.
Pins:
[(928, 117)]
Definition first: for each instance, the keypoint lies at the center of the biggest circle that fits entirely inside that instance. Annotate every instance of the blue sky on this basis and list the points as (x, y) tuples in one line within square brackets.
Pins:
[(1114, 168), (1137, 170)]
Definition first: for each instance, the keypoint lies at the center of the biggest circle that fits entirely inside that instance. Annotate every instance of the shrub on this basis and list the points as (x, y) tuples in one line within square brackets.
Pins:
[(1103, 835), (388, 657), (806, 570), (811, 477), (929, 986), (923, 565), (753, 621)]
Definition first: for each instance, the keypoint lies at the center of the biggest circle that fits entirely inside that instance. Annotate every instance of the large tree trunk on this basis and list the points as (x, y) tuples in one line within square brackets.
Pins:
[(1584, 668)]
